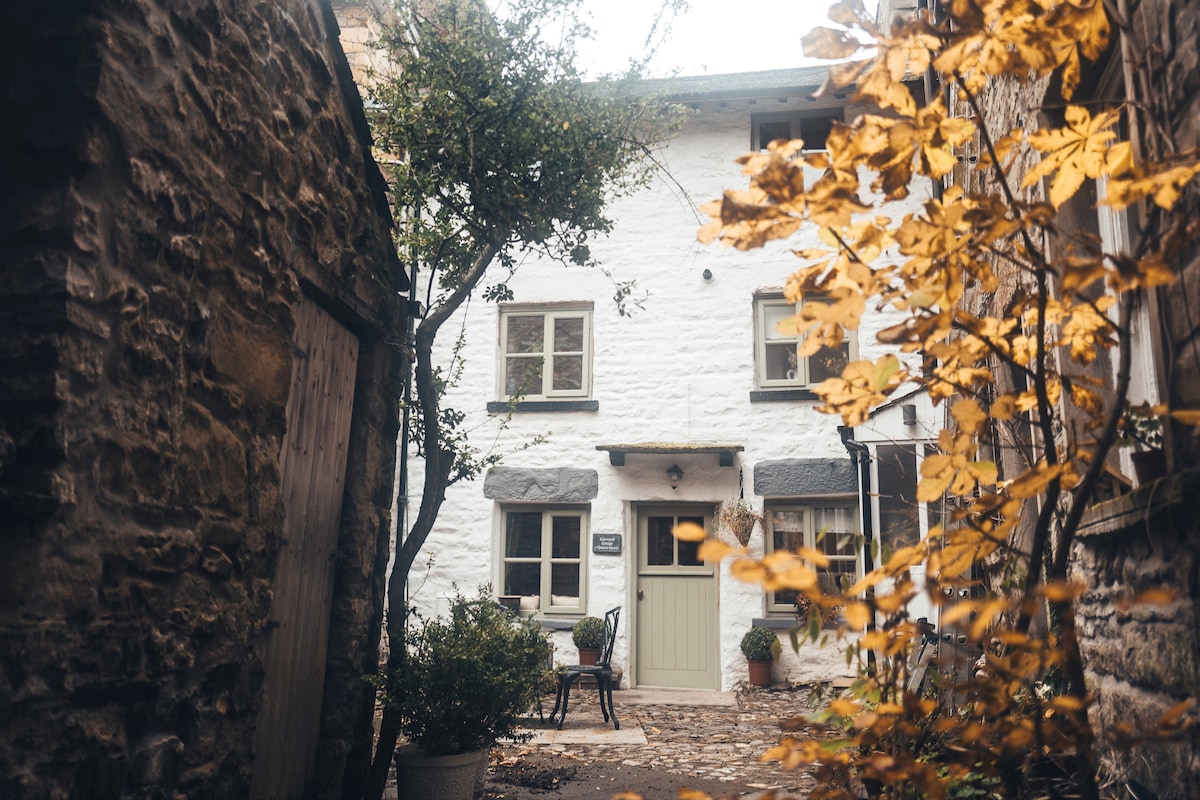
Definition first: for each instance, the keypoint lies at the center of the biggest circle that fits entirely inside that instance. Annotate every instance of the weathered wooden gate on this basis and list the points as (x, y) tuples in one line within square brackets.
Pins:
[(313, 463)]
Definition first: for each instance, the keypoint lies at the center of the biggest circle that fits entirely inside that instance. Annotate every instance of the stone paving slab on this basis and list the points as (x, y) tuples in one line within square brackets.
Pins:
[(674, 697), (627, 736), (691, 733)]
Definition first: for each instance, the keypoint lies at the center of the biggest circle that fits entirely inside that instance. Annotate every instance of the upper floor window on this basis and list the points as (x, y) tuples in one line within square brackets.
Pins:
[(778, 363), (543, 558), (825, 526), (813, 128), (546, 351)]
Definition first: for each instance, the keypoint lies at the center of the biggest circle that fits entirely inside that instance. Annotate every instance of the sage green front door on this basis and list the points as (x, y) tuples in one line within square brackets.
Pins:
[(676, 603)]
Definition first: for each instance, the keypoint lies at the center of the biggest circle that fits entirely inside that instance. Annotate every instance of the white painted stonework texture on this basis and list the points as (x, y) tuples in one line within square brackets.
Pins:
[(680, 370)]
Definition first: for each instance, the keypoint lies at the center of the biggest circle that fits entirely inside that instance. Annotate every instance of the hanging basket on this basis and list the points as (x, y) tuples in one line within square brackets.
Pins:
[(739, 518)]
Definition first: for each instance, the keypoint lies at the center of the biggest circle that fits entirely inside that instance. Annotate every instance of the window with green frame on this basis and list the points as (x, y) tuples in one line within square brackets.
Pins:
[(543, 559), (778, 363), (545, 351), (829, 527)]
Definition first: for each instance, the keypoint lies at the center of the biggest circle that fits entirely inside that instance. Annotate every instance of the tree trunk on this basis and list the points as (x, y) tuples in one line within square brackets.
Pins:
[(438, 465), (437, 470)]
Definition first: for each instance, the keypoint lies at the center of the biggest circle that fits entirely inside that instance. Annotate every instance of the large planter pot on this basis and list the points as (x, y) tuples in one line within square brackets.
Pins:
[(760, 672), (422, 777), (588, 655)]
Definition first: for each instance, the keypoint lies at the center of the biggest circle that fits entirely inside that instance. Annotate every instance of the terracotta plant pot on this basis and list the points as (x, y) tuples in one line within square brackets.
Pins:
[(437, 777), (588, 655), (760, 672), (1148, 465)]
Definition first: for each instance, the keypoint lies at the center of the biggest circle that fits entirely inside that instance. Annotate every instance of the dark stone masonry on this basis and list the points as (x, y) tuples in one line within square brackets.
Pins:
[(177, 179), (1142, 660)]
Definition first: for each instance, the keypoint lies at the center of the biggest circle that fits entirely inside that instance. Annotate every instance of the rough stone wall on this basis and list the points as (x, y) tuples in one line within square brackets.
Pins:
[(1142, 660), (175, 173)]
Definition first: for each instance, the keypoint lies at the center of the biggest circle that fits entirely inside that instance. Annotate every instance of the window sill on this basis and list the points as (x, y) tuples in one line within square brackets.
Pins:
[(557, 623), (774, 395), (787, 622), (500, 406)]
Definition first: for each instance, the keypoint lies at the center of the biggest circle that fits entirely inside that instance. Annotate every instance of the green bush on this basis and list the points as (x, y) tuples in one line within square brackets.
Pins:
[(465, 682), (588, 632), (760, 644)]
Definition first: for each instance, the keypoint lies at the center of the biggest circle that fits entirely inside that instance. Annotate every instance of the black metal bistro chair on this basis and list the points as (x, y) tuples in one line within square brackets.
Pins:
[(601, 671)]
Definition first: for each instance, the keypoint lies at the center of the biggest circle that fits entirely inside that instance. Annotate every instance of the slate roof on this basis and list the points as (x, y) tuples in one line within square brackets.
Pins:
[(737, 85)]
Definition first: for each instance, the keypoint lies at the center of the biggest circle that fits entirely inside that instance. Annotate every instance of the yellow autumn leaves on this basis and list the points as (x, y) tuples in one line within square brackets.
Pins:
[(1083, 148), (1086, 148)]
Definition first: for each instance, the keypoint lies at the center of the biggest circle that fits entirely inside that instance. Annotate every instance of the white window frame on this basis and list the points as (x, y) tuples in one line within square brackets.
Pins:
[(549, 313), (801, 379), (546, 604), (807, 508)]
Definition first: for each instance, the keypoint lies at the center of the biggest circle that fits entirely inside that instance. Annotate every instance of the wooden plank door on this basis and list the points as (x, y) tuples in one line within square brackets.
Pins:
[(677, 626), (313, 465)]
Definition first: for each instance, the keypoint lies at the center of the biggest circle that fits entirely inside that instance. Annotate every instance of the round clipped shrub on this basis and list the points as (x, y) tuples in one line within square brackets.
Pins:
[(588, 632), (760, 644)]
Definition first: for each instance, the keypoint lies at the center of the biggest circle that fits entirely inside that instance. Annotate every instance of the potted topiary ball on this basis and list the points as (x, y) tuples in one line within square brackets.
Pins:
[(464, 683), (588, 635), (760, 647)]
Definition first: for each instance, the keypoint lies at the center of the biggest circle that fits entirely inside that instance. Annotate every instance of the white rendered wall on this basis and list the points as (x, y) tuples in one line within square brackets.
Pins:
[(680, 370)]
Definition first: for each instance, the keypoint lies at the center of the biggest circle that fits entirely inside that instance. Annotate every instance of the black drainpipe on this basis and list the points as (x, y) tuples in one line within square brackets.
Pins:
[(860, 454)]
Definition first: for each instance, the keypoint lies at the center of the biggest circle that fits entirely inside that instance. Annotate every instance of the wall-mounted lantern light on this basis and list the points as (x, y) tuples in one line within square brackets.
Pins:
[(674, 475)]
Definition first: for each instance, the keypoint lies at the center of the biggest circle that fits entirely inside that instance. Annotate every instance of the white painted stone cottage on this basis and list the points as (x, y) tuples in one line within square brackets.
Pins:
[(659, 417)]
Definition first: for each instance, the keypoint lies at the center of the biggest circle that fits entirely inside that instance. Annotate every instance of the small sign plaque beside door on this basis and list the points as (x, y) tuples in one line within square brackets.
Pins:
[(608, 544)]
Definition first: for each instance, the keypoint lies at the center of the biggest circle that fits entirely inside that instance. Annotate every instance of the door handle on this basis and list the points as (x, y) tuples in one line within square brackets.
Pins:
[(641, 595)]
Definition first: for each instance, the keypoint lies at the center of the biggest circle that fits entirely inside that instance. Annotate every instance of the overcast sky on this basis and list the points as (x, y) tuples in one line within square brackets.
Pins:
[(712, 37)]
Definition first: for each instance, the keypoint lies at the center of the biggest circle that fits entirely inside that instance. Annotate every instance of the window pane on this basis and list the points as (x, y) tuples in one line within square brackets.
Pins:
[(814, 131), (568, 335), (523, 376), (689, 552), (773, 314), (787, 530), (568, 372), (785, 597), (526, 334), (565, 543), (899, 525), (828, 362), (835, 519), (770, 131), (836, 543), (835, 530), (660, 544), (524, 535), (564, 583), (523, 579), (837, 577), (780, 362)]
